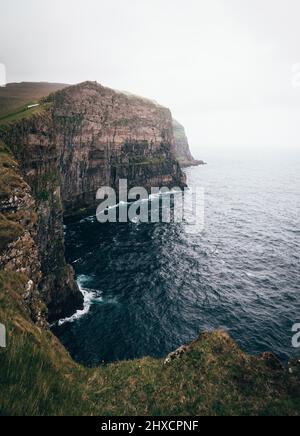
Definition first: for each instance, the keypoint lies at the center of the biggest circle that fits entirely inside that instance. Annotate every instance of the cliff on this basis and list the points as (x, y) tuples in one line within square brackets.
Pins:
[(79, 139), (182, 148)]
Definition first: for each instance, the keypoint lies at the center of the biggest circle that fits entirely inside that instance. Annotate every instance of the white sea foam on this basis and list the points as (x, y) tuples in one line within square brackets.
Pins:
[(143, 200), (89, 295), (151, 198), (89, 219)]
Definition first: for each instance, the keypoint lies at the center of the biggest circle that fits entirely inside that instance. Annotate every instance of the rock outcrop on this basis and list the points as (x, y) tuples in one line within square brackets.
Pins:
[(182, 148), (80, 139), (28, 228)]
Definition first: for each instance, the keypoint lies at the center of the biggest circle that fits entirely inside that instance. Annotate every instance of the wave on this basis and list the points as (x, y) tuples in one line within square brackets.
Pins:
[(152, 197), (89, 296), (88, 219)]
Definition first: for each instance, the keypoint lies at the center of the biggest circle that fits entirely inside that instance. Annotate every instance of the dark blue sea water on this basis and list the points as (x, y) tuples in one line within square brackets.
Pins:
[(150, 288)]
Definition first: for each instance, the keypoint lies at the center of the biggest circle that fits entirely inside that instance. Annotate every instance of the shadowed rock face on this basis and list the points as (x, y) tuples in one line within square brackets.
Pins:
[(32, 243), (181, 146), (87, 137)]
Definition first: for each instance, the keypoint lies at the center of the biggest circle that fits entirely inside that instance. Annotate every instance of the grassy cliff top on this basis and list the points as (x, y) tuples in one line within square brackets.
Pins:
[(213, 377), (24, 113), (15, 96)]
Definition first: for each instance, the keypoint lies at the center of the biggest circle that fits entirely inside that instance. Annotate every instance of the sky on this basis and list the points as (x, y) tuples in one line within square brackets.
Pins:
[(229, 70)]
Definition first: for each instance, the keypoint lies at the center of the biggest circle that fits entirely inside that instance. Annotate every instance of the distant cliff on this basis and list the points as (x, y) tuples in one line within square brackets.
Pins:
[(182, 148), (78, 139)]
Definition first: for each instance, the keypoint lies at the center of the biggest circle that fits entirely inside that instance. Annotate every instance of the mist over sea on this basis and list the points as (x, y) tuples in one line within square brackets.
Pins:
[(150, 288)]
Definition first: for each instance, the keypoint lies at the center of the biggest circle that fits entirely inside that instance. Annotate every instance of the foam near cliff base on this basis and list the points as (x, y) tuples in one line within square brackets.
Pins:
[(89, 296)]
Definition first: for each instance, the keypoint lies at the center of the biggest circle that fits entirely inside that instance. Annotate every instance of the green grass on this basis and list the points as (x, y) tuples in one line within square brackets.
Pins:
[(38, 377), (15, 96), (10, 183), (9, 232), (23, 113), (155, 161), (10, 180)]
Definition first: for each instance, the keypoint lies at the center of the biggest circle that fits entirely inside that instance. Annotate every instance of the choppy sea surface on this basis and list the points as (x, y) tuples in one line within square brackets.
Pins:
[(150, 288)]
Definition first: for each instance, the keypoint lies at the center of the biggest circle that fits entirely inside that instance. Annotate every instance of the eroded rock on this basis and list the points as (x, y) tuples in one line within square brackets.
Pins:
[(176, 354)]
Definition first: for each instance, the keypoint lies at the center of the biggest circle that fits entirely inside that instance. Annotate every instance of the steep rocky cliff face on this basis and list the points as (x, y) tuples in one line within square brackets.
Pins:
[(103, 136), (32, 243), (182, 148), (82, 138), (18, 232)]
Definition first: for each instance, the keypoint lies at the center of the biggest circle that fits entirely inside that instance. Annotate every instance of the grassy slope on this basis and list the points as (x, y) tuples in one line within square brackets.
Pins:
[(23, 113), (35, 369), (36, 372), (9, 181), (15, 96), (37, 376)]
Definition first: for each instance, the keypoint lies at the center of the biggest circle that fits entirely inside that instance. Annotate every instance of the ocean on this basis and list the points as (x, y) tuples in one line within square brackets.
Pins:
[(150, 288)]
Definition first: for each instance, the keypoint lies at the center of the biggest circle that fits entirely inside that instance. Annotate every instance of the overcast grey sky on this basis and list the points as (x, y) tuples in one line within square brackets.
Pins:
[(224, 67)]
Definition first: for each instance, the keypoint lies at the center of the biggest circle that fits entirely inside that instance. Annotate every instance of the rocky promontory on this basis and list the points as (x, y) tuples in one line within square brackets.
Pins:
[(182, 148)]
